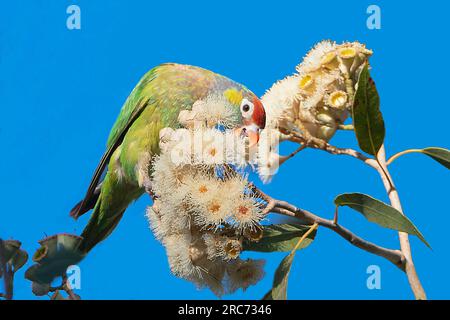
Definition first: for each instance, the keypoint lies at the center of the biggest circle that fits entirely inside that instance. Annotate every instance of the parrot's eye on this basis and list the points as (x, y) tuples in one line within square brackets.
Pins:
[(246, 108)]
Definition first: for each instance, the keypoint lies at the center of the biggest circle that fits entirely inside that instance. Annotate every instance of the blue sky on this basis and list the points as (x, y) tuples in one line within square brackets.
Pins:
[(61, 90)]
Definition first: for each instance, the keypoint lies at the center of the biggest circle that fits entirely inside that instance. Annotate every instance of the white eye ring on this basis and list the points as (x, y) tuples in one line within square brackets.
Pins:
[(247, 108)]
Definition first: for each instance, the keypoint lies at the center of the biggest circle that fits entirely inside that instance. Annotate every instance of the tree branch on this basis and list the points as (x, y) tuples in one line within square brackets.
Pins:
[(380, 166), (287, 209), (65, 286), (413, 278)]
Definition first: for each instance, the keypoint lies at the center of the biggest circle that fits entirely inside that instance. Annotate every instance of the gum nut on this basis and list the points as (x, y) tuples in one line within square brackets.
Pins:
[(347, 52), (337, 99), (326, 118), (306, 81), (329, 60), (195, 254), (346, 57), (254, 234), (326, 132)]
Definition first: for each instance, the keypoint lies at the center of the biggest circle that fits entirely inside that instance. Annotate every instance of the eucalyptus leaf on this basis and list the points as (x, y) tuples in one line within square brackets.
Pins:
[(281, 238), (367, 118), (441, 155), (280, 280), (379, 212), (268, 295)]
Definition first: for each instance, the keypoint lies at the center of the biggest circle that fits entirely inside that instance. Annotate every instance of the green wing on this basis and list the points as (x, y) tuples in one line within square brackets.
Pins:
[(131, 110), (171, 87)]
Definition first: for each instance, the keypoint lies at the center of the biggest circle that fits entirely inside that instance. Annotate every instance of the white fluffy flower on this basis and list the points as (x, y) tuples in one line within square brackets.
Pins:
[(198, 198), (181, 147), (247, 213), (181, 255), (236, 186), (322, 84), (213, 212), (209, 146), (244, 273), (222, 247), (211, 275), (268, 166), (313, 60), (279, 99), (235, 149), (154, 218), (214, 110)]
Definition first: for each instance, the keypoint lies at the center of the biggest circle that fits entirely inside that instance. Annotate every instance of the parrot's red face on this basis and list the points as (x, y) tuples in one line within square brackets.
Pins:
[(253, 119)]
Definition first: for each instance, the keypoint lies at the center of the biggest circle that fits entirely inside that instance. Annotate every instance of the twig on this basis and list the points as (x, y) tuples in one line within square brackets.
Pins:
[(395, 156), (347, 127), (287, 209), (65, 287), (336, 215), (307, 233), (380, 165), (69, 290), (411, 272), (285, 158)]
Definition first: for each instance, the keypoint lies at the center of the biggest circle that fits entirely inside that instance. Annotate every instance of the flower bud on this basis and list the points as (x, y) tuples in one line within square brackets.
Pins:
[(254, 234), (233, 248), (196, 254)]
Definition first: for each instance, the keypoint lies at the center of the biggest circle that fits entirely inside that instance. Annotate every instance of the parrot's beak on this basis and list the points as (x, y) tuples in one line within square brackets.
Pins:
[(249, 131)]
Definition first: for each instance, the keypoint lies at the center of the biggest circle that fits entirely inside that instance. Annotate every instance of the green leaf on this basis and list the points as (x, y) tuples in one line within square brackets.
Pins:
[(367, 118), (441, 155), (379, 212), (13, 255), (281, 237), (280, 280)]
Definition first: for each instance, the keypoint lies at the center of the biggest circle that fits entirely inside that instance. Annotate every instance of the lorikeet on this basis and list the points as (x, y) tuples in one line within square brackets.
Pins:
[(154, 103)]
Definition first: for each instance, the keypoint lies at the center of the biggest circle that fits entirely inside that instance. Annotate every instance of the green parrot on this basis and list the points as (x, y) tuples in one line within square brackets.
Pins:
[(154, 103)]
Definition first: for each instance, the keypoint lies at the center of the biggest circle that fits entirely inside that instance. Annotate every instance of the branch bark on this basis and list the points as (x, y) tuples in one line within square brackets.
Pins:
[(381, 167), (405, 246), (285, 208), (65, 286)]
